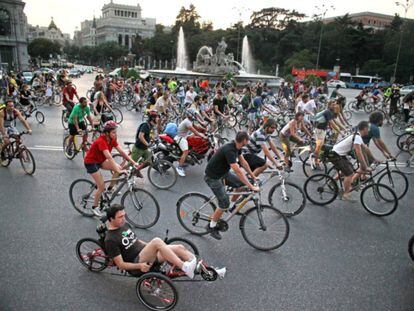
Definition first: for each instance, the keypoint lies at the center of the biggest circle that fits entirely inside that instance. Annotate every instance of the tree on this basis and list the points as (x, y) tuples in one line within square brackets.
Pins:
[(274, 18), (301, 59), (188, 19), (42, 47)]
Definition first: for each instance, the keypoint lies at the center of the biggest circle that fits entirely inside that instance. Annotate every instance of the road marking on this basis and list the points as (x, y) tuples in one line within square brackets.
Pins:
[(46, 148)]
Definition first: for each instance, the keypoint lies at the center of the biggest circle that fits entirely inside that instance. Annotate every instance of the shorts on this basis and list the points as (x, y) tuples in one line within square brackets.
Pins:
[(182, 142), (72, 128), (69, 107), (286, 144), (254, 160), (219, 189), (320, 135), (11, 130), (92, 167), (342, 164), (143, 154)]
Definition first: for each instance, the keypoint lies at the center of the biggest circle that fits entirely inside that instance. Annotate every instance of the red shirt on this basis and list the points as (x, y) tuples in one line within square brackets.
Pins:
[(95, 154), (71, 93)]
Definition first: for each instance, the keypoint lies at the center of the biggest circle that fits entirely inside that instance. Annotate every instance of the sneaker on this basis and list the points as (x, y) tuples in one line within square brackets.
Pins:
[(180, 171), (97, 212), (214, 232), (189, 267)]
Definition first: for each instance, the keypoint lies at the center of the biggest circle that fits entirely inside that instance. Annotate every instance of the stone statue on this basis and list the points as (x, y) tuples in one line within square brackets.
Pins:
[(221, 53)]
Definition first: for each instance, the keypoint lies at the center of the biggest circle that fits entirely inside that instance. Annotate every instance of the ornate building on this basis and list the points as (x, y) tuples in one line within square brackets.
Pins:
[(120, 23), (13, 35), (52, 32)]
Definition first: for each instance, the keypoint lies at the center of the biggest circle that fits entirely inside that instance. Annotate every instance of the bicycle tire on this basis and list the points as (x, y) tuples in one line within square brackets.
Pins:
[(190, 245), (182, 213), (277, 215), (102, 264), (391, 197), (81, 207), (6, 161), (411, 248), (324, 181), (405, 162), (308, 171), (146, 283), (40, 117), (64, 120), (400, 189), (72, 155), (280, 201), (57, 100), (162, 168), (25, 157), (404, 140), (118, 116), (137, 206)]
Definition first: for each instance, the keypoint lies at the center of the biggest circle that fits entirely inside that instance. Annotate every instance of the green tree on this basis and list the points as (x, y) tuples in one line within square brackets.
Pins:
[(188, 19), (301, 59), (42, 47)]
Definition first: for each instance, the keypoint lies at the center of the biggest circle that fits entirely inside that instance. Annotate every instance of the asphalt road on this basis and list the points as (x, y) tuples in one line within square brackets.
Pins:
[(337, 257)]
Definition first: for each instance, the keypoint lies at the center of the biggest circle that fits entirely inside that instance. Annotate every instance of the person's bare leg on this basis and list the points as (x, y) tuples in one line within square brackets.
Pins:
[(217, 214), (260, 170), (157, 246), (180, 251), (100, 184), (184, 157), (347, 185)]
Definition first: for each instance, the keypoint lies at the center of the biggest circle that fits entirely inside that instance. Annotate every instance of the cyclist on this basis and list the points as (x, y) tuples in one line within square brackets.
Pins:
[(189, 96), (220, 106), (394, 96), (69, 93), (289, 133), (25, 98), (218, 170), (341, 99), (376, 119), (345, 147), (184, 128), (408, 104), (99, 157), (257, 143), (131, 254), (361, 97), (253, 112), (8, 124), (77, 124)]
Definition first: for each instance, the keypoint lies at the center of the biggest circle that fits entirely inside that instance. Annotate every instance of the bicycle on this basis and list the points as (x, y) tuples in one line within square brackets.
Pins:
[(155, 288), (326, 189), (194, 217), (137, 201), (405, 157), (411, 247), (28, 110), (161, 173), (77, 146), (16, 150)]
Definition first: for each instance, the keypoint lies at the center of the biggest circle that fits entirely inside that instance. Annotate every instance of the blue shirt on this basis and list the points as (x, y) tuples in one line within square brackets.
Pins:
[(254, 107), (374, 132)]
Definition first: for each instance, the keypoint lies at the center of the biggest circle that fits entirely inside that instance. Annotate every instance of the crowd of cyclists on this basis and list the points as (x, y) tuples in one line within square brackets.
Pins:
[(263, 128)]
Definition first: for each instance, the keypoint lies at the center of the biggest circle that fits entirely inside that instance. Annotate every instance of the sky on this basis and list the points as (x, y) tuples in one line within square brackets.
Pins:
[(68, 14)]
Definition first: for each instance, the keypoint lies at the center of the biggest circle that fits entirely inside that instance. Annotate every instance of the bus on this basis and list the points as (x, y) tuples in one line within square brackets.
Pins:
[(345, 77), (359, 81)]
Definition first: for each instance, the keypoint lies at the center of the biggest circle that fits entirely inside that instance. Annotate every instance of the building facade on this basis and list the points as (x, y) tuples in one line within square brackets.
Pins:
[(372, 20), (52, 32), (119, 23), (13, 35)]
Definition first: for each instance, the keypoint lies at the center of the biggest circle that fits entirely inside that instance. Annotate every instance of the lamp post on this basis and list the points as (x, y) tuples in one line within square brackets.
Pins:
[(239, 10), (323, 9), (407, 5)]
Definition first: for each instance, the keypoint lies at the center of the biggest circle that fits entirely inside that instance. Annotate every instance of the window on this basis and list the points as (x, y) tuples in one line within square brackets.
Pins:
[(120, 39), (5, 27)]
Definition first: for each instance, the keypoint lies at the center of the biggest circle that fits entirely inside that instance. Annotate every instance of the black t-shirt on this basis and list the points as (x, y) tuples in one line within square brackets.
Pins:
[(219, 164), (220, 103), (146, 129), (24, 101), (124, 242), (326, 117)]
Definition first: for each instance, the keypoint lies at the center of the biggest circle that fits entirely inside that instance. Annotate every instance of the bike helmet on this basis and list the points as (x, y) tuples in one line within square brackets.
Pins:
[(109, 126), (152, 115)]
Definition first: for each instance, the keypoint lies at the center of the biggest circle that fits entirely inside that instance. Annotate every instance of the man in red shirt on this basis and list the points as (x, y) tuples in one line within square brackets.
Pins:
[(69, 93), (99, 156)]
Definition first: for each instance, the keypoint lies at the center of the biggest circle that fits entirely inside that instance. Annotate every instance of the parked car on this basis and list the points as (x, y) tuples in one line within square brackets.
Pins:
[(27, 76), (334, 83), (74, 73), (406, 89)]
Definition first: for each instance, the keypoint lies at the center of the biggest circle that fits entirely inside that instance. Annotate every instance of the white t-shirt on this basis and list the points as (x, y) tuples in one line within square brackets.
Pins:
[(300, 106), (345, 146), (161, 102), (189, 97), (310, 106), (183, 128)]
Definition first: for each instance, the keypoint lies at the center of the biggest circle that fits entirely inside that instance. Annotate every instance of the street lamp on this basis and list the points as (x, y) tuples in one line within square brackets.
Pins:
[(407, 5), (323, 9), (239, 10)]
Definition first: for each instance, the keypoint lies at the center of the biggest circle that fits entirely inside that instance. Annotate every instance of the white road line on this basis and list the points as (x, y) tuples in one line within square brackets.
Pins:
[(46, 148)]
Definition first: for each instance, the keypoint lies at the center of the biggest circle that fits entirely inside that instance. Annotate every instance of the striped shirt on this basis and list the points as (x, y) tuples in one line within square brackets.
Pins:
[(257, 139)]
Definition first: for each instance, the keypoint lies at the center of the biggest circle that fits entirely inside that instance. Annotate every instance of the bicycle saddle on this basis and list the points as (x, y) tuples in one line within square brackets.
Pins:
[(127, 143)]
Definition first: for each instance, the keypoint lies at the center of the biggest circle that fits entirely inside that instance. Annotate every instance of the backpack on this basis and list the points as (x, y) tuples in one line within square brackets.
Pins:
[(171, 130)]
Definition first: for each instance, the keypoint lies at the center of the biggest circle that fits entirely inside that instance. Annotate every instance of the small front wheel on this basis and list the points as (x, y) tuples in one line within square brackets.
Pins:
[(264, 227), (379, 200), (91, 255), (142, 208), (156, 292)]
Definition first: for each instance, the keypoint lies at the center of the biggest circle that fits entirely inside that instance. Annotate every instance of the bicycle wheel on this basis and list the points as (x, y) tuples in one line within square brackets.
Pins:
[(264, 227), (309, 171), (156, 292), (194, 212), (40, 117), (64, 120), (142, 208), (91, 254), (241, 118), (69, 152), (321, 189), (397, 181), (186, 243), (404, 140), (398, 128), (411, 247), (231, 121), (379, 200), (81, 194), (5, 162), (352, 106), (27, 161), (368, 108), (347, 114), (57, 100), (289, 198), (118, 116), (405, 161), (162, 174)]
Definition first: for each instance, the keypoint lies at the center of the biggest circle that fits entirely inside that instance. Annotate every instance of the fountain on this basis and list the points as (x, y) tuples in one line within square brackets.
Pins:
[(247, 58), (214, 66), (181, 52)]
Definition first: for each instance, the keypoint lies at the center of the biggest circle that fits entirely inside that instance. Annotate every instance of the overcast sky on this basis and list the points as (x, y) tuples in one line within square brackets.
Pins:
[(69, 13)]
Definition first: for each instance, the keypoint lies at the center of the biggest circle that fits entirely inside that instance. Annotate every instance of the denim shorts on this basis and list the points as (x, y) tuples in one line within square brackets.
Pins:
[(219, 189), (92, 167)]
